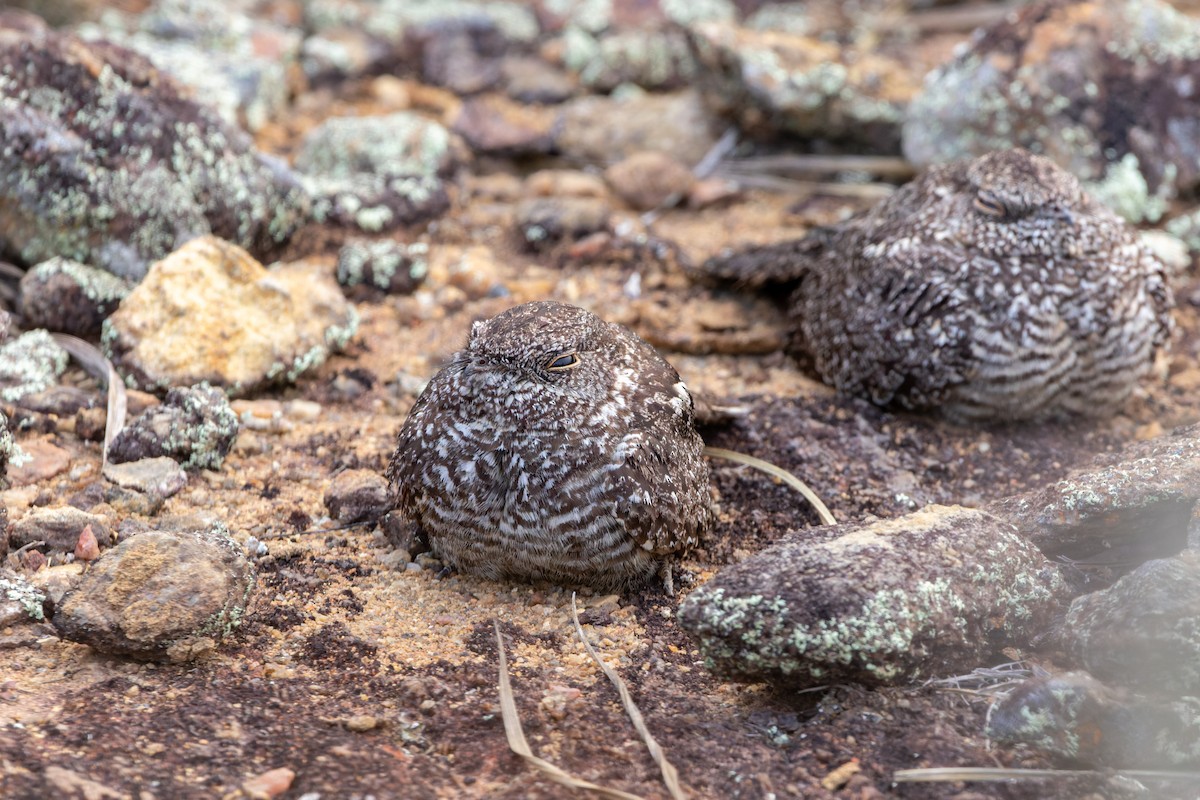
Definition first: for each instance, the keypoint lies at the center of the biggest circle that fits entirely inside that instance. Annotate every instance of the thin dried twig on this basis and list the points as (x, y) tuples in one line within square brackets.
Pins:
[(669, 773), (948, 774), (519, 745), (966, 18), (775, 183), (884, 166), (822, 510), (100, 368)]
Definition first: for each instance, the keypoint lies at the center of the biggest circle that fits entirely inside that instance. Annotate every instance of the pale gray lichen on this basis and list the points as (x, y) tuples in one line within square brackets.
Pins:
[(386, 265), (20, 591), (30, 363)]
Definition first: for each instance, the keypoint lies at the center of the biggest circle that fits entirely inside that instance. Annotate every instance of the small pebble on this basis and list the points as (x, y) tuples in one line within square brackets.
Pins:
[(361, 722), (269, 784), (86, 549)]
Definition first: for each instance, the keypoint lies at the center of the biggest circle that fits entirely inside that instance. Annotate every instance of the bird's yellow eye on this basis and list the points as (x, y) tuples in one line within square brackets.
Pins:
[(562, 362), (987, 203)]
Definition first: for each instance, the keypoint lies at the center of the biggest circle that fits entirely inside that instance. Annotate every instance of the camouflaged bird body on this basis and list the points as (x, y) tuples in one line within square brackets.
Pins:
[(592, 475), (991, 289)]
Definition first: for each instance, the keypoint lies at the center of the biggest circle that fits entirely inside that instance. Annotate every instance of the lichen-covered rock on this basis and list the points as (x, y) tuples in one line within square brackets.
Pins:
[(58, 528), (106, 160), (160, 596), (394, 20), (19, 600), (64, 295), (1102, 87), (29, 364), (236, 63), (357, 494), (940, 590), (195, 426), (378, 173), (389, 266), (1076, 719), (1143, 632), (210, 312), (803, 85), (1133, 505), (650, 57)]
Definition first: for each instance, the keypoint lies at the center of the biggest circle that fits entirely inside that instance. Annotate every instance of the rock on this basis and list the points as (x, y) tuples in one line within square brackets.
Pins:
[(533, 80), (210, 312), (1103, 87), (19, 600), (273, 416), (338, 54), (389, 266), (1143, 632), (494, 125), (6, 451), (87, 548), (37, 460), (599, 130), (78, 181), (378, 173), (655, 58), (61, 12), (1076, 719), (394, 20), (28, 364), (158, 478), (64, 295), (60, 528), (60, 401), (463, 54), (1130, 506), (648, 180), (160, 596), (934, 592), (271, 783), (236, 61), (544, 222), (776, 81), (195, 427), (356, 495)]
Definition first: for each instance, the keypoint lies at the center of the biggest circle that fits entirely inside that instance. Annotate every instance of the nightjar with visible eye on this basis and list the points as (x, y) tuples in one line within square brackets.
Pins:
[(991, 289), (555, 446)]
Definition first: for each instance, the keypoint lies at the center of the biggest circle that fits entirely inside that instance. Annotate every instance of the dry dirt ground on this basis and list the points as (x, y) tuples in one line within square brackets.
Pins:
[(342, 630)]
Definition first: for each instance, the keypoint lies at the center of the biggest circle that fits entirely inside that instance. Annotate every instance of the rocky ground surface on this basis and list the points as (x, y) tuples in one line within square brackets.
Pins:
[(511, 175)]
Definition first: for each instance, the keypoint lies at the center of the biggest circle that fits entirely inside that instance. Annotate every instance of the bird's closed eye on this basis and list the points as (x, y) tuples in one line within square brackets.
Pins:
[(562, 362), (988, 203)]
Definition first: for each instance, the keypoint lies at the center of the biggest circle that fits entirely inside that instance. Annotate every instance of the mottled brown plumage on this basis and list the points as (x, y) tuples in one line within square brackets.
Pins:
[(555, 446), (992, 289)]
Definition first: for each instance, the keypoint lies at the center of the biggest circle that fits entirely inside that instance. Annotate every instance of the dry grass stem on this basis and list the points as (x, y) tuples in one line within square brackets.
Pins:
[(951, 774), (822, 510), (100, 368), (882, 166), (669, 773), (519, 745)]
